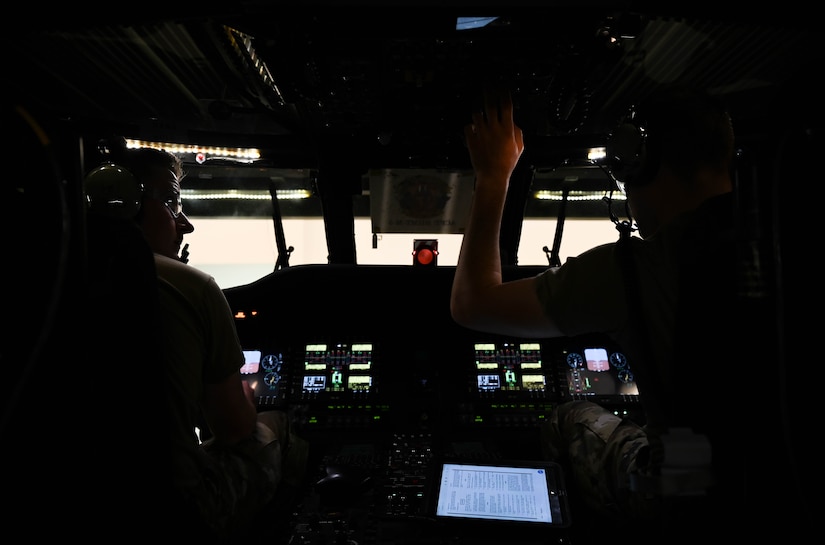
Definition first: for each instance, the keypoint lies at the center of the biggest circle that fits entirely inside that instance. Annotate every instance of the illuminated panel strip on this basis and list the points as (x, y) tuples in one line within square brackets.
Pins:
[(235, 153), (250, 195), (547, 195)]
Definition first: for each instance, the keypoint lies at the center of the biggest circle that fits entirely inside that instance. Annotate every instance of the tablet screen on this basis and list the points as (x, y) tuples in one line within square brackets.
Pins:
[(503, 492)]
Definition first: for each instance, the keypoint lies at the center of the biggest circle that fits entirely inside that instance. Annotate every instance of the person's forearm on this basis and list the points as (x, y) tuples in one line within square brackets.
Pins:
[(479, 263), (230, 433), (230, 410)]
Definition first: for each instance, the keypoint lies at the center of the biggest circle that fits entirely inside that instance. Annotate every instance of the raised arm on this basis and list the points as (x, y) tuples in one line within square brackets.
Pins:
[(480, 299)]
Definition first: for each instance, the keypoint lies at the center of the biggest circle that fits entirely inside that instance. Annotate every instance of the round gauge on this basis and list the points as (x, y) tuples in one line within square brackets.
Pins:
[(618, 360), (271, 362), (625, 376), (272, 379), (575, 360)]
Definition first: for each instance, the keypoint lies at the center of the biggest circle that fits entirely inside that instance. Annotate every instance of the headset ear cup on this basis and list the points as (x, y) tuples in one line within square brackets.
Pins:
[(625, 152), (113, 191)]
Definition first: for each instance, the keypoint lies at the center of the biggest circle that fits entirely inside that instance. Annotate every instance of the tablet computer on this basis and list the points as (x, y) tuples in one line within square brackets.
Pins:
[(517, 495)]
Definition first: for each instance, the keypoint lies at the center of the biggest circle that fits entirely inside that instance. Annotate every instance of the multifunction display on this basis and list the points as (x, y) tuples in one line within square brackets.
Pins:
[(595, 371), (509, 367), (337, 368), (264, 373)]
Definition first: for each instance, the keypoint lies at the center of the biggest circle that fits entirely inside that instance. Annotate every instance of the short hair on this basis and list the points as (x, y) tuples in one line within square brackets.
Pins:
[(142, 162), (686, 129)]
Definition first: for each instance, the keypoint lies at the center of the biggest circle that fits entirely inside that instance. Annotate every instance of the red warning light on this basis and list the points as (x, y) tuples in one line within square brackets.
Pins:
[(424, 256), (425, 252)]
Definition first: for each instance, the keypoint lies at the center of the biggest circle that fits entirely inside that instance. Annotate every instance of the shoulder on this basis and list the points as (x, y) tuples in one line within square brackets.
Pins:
[(586, 293), (582, 271), (173, 268), (182, 276), (593, 258)]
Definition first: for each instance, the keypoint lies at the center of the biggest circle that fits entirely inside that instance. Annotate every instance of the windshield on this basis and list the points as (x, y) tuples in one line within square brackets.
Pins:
[(236, 223)]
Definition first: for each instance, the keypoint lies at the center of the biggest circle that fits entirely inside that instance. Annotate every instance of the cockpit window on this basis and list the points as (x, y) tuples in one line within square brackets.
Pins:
[(236, 222)]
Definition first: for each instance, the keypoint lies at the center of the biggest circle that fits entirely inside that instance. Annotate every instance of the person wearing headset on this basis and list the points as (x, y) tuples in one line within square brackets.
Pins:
[(236, 471), (676, 172)]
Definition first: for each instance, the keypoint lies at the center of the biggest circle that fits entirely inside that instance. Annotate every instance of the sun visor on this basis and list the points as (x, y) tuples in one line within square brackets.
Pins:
[(420, 200)]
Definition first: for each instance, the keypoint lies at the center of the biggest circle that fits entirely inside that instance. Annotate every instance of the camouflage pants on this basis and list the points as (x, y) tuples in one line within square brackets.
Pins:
[(600, 451), (238, 482)]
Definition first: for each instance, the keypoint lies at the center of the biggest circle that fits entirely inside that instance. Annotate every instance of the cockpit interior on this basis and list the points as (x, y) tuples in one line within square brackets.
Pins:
[(325, 161)]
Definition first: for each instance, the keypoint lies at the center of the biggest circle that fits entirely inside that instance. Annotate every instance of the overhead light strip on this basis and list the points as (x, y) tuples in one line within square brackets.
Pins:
[(249, 195), (241, 154), (293, 194), (547, 195)]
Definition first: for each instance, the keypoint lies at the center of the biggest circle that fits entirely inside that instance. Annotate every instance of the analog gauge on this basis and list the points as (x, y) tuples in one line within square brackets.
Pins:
[(625, 376), (272, 379), (575, 360), (271, 362), (618, 360)]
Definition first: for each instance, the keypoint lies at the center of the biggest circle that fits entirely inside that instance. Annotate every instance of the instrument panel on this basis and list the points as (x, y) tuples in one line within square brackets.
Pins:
[(383, 383), (383, 413), (494, 382)]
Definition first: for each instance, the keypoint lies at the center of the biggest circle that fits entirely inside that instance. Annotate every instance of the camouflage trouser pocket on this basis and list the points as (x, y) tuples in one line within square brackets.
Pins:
[(599, 451), (237, 483)]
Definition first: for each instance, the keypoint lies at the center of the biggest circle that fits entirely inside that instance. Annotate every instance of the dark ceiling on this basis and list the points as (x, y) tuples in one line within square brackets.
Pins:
[(393, 87)]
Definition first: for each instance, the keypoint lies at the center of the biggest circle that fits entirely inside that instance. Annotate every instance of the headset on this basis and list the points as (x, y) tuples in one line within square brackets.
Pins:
[(113, 191), (627, 164), (632, 155), (110, 189), (682, 127)]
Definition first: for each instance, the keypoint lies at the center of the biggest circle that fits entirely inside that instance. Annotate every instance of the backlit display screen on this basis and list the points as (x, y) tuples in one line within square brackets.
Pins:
[(262, 370), (596, 371), (338, 368), (503, 366)]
